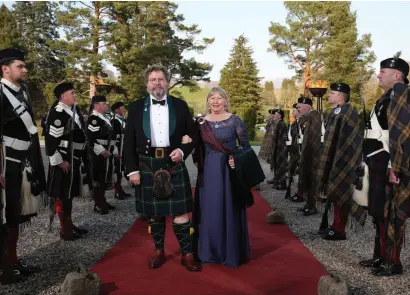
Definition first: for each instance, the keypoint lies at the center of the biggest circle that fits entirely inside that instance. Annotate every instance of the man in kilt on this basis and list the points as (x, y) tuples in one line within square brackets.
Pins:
[(266, 147), (153, 141), (294, 143), (339, 158), (387, 158), (118, 124), (279, 154), (102, 139), (310, 124), (24, 171), (66, 148)]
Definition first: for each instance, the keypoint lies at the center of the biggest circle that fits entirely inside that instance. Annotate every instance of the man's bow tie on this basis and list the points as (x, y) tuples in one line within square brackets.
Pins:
[(161, 102)]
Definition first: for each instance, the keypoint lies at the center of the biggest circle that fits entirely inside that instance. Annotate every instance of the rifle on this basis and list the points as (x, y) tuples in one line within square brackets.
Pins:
[(107, 165), (71, 149), (2, 161)]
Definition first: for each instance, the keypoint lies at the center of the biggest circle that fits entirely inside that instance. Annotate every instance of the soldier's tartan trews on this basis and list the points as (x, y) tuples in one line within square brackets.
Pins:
[(294, 150), (311, 125), (397, 208), (279, 163), (340, 156), (266, 146), (179, 203)]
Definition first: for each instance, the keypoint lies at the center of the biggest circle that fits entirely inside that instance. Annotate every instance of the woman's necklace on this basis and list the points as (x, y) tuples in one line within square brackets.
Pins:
[(217, 123)]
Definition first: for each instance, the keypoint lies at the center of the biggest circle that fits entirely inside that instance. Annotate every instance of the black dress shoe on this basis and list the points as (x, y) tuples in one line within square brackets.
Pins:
[(100, 210), (309, 212), (374, 262), (280, 187), (14, 277), (387, 269), (79, 230), (270, 181), (298, 199), (127, 195), (119, 196), (334, 235), (109, 206), (25, 269), (323, 232), (74, 236), (302, 209)]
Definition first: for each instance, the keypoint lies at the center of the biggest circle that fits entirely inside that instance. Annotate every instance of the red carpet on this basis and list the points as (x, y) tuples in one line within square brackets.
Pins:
[(280, 264)]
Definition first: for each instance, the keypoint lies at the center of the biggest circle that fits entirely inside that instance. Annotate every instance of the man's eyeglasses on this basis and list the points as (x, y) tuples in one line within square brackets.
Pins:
[(160, 80)]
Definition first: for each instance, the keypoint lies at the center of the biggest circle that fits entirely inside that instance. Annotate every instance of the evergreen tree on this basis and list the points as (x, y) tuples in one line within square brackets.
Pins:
[(289, 93), (268, 94), (85, 25), (346, 58), (150, 32), (239, 78), (9, 34), (316, 36), (36, 24)]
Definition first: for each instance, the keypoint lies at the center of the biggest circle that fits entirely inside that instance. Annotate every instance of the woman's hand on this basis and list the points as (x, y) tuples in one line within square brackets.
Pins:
[(231, 162), (186, 139)]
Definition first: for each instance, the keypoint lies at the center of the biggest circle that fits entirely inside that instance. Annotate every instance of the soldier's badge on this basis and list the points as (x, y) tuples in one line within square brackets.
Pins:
[(94, 122), (57, 122), (337, 110)]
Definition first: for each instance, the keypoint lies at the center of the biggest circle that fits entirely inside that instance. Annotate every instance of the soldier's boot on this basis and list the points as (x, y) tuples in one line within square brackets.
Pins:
[(68, 233), (378, 253)]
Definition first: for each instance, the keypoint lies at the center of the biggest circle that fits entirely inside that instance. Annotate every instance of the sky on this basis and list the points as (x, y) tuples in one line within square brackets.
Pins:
[(226, 20), (386, 21)]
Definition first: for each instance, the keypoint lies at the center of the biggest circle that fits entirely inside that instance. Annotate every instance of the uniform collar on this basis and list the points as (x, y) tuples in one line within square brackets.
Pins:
[(10, 85)]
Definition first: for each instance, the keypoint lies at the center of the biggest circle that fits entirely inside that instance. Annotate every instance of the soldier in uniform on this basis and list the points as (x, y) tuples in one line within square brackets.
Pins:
[(118, 124), (154, 142), (310, 124), (294, 142), (382, 136), (340, 156), (66, 148), (24, 171), (102, 139), (265, 150), (279, 153)]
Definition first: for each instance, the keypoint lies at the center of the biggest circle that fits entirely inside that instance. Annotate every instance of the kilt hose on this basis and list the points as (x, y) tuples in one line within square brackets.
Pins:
[(14, 180), (378, 179), (180, 202)]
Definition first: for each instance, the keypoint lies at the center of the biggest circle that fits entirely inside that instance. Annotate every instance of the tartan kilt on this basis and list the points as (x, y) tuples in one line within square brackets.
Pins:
[(180, 202), (59, 182), (100, 171), (378, 179), (14, 180)]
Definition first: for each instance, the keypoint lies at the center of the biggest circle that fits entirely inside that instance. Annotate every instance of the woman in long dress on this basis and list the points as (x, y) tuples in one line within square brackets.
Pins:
[(220, 217)]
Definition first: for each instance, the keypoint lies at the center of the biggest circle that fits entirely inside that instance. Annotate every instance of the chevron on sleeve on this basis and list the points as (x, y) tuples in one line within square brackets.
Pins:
[(56, 132)]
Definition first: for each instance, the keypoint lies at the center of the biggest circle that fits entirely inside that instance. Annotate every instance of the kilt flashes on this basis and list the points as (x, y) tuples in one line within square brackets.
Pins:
[(180, 202), (378, 179)]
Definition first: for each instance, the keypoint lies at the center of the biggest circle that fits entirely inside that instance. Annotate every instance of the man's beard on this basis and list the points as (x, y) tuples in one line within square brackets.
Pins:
[(158, 93)]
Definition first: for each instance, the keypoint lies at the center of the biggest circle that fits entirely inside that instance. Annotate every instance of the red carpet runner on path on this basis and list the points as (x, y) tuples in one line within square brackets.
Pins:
[(280, 264)]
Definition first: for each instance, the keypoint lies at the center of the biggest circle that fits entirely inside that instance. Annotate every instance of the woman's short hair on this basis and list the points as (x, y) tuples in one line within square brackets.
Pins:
[(222, 93), (155, 68)]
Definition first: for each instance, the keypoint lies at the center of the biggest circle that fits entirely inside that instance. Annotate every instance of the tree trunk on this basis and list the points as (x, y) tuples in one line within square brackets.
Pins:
[(95, 41)]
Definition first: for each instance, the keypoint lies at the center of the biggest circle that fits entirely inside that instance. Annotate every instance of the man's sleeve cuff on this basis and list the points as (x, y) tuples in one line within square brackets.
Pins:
[(182, 154), (98, 149), (132, 173), (56, 159)]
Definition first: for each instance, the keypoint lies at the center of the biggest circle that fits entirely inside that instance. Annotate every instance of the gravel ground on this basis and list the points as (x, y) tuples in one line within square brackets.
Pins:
[(57, 258)]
